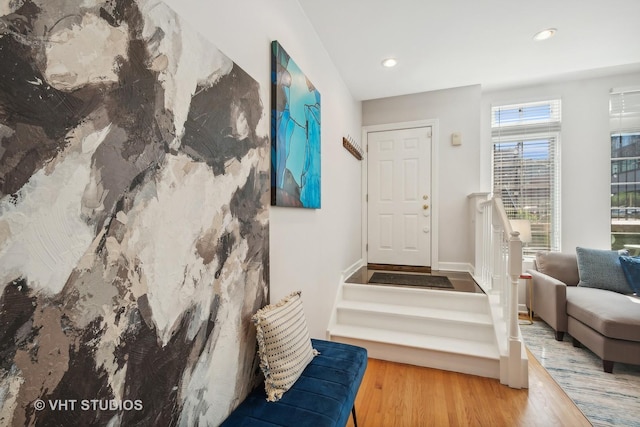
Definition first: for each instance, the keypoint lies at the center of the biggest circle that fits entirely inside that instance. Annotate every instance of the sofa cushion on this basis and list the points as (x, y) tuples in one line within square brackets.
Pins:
[(558, 265), (612, 314), (284, 345), (601, 269), (631, 269)]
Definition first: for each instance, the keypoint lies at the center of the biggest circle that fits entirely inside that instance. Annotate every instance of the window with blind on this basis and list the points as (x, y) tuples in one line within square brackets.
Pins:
[(526, 176), (624, 114)]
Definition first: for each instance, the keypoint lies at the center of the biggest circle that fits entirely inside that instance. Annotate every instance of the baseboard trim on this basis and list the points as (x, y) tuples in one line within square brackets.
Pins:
[(343, 277), (463, 267), (352, 269)]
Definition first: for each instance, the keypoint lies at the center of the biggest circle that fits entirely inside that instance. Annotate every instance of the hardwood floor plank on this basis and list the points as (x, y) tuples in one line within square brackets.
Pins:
[(394, 394)]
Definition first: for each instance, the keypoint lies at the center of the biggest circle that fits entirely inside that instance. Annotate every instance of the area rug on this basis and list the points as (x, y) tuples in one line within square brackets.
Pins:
[(422, 280), (605, 399)]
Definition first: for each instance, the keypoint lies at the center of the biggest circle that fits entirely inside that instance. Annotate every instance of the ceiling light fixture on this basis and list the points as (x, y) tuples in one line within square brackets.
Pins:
[(389, 62), (545, 34)]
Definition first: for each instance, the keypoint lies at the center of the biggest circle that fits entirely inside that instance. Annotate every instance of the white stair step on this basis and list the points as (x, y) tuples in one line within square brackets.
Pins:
[(424, 321), (456, 362), (425, 312), (439, 329), (407, 339), (441, 299)]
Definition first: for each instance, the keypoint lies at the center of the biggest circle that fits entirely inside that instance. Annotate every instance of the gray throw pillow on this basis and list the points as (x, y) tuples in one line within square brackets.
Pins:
[(601, 269)]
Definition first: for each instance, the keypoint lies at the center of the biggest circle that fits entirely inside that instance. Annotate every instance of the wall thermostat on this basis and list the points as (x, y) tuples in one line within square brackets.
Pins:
[(456, 138)]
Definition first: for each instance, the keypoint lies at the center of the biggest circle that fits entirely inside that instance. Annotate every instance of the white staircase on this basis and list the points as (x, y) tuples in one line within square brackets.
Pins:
[(433, 328)]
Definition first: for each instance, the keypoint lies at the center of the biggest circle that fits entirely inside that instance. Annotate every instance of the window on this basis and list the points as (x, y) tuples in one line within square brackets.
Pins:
[(624, 114), (525, 139)]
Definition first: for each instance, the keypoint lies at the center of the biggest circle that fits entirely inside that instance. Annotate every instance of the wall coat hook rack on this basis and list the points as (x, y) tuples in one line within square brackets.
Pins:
[(353, 147)]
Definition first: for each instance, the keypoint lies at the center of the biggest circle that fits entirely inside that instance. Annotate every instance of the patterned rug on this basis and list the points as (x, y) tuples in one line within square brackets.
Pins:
[(423, 280), (605, 399)]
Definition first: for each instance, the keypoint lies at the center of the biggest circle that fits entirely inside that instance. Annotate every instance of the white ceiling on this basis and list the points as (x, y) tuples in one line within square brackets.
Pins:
[(451, 43)]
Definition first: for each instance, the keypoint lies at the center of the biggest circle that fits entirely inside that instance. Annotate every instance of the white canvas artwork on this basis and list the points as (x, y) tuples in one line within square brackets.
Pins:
[(134, 194)]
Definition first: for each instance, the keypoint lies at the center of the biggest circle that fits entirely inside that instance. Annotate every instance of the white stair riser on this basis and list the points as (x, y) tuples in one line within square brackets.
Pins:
[(417, 325), (466, 364), (476, 303)]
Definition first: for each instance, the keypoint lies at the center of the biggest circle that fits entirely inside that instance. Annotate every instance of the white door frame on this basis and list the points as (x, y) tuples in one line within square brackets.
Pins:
[(435, 142)]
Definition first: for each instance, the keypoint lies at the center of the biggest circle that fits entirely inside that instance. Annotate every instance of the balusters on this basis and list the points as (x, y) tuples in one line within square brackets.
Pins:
[(498, 273)]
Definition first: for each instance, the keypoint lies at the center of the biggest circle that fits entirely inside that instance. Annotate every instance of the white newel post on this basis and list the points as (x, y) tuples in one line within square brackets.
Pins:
[(478, 216), (515, 270), (486, 251), (505, 283), (515, 346), (496, 259)]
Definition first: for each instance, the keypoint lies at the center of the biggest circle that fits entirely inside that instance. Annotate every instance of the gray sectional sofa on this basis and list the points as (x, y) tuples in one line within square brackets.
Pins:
[(605, 321)]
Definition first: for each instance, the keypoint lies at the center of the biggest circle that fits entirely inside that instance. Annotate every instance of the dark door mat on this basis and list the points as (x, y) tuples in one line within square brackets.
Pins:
[(412, 280), (399, 268)]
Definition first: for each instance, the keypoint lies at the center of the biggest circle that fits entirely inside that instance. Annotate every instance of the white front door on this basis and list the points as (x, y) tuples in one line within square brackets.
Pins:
[(399, 192)]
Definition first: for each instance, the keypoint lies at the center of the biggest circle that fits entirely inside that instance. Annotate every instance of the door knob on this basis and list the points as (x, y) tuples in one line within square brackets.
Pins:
[(425, 197), (425, 207)]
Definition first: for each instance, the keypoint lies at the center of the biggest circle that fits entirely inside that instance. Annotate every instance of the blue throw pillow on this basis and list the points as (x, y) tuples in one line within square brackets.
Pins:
[(631, 268), (601, 269)]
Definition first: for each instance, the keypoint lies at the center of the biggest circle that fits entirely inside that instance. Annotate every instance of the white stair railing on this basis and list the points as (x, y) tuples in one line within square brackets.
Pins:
[(497, 270)]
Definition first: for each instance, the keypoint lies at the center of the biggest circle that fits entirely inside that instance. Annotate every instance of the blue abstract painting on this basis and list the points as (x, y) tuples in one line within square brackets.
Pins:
[(295, 134)]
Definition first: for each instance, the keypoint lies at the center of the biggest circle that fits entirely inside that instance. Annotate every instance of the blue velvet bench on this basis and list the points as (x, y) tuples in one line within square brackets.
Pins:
[(324, 395)]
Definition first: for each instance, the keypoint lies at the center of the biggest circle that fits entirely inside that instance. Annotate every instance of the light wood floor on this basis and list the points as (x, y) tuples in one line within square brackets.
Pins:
[(394, 394)]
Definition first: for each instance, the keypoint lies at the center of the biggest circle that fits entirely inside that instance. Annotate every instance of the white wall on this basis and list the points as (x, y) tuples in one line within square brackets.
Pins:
[(585, 152), (309, 248), (457, 110)]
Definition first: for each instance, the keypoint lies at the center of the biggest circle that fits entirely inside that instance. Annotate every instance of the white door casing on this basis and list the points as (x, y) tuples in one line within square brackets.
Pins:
[(399, 208)]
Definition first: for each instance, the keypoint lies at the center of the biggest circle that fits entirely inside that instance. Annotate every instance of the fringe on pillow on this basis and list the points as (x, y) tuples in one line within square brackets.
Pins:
[(273, 394)]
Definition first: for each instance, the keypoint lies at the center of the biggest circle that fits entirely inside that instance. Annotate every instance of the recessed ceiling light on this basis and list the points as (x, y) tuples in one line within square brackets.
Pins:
[(545, 34), (389, 62)]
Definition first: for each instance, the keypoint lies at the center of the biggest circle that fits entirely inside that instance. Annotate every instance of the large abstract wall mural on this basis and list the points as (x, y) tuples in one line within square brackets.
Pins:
[(134, 194), (295, 134)]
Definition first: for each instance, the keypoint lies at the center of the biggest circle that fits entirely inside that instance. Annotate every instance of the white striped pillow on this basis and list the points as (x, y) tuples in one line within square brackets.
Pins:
[(284, 345)]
